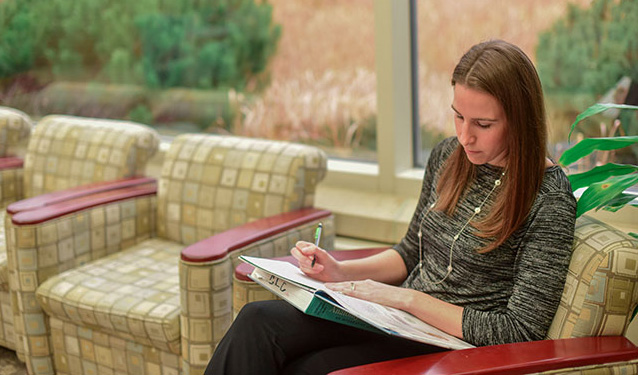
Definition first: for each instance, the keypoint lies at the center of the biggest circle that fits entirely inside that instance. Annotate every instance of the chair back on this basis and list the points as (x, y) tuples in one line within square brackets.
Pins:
[(211, 183), (601, 291), (14, 126), (67, 151)]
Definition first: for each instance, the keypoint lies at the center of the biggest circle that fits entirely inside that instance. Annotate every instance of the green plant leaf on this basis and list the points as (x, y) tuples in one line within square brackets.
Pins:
[(635, 235), (600, 173), (600, 193), (589, 145), (619, 202), (594, 110)]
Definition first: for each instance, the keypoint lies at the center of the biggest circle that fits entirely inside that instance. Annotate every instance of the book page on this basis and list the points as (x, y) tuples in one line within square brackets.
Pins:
[(387, 319), (398, 322)]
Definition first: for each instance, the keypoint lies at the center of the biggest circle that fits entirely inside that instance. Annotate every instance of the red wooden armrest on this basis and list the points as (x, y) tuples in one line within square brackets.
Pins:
[(10, 162), (518, 358), (82, 202), (74, 193), (217, 246), (244, 269)]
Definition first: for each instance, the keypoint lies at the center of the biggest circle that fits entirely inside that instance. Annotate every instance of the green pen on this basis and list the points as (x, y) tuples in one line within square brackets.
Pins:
[(317, 238)]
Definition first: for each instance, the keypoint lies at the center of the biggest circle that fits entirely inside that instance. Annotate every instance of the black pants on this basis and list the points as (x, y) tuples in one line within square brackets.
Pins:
[(272, 337)]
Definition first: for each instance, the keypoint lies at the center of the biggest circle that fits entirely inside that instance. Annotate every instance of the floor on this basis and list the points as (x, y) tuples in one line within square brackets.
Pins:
[(9, 364)]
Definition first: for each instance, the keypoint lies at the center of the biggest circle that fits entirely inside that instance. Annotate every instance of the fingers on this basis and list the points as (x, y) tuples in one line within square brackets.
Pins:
[(307, 254), (306, 248), (347, 287)]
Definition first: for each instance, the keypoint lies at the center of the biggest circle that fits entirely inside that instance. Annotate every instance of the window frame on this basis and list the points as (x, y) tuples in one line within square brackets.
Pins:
[(383, 195)]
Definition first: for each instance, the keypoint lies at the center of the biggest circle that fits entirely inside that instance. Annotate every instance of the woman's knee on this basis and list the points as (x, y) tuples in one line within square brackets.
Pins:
[(260, 316), (258, 311)]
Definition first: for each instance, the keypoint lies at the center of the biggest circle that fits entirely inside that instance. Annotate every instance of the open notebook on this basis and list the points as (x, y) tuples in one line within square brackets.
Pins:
[(311, 297)]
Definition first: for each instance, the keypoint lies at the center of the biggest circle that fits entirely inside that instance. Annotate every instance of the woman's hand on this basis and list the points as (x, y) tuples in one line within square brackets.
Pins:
[(443, 315), (375, 291), (325, 268)]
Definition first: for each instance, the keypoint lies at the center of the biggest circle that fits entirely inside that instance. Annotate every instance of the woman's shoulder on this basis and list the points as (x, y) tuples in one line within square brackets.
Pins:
[(448, 144), (555, 180), (555, 202), (440, 153), (445, 148)]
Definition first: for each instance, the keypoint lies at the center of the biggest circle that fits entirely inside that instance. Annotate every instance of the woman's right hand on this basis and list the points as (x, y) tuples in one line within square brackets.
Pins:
[(325, 268)]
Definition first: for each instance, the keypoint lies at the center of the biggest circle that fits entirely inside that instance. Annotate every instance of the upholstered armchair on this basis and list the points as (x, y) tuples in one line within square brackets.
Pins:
[(586, 335), (143, 308), (63, 152), (15, 127)]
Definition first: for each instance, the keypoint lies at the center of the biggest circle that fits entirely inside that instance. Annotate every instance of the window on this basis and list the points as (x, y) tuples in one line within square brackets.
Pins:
[(323, 81), (298, 71), (447, 29)]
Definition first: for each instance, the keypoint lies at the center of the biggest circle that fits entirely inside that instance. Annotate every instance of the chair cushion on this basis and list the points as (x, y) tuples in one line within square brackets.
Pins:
[(133, 294)]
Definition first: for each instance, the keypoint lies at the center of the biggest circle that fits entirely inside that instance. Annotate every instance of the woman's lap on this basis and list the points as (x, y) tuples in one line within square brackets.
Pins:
[(272, 337)]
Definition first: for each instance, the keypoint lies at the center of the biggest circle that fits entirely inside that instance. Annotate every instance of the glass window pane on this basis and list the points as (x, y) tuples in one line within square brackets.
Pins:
[(446, 30), (293, 70), (323, 81)]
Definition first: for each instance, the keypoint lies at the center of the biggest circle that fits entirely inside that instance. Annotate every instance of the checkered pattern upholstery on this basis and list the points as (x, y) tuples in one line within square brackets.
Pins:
[(62, 152), (66, 151), (14, 127), (134, 297), (601, 291), (204, 322), (210, 184), (11, 186), (39, 252)]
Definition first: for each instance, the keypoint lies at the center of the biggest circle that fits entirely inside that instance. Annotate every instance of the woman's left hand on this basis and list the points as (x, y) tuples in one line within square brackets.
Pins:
[(375, 291)]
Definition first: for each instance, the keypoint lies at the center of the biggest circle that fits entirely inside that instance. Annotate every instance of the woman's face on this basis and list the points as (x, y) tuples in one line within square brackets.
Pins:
[(481, 126)]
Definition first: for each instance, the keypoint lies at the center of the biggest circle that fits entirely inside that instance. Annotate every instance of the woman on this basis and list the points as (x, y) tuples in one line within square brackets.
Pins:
[(485, 255)]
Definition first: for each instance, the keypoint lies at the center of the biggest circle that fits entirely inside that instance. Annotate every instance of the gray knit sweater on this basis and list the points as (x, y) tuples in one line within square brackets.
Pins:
[(511, 293)]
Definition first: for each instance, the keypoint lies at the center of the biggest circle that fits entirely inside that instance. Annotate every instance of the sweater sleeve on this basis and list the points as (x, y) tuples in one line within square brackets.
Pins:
[(408, 246), (541, 268)]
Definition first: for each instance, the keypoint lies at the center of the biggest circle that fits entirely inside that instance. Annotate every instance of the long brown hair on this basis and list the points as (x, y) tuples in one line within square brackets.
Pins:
[(504, 71)]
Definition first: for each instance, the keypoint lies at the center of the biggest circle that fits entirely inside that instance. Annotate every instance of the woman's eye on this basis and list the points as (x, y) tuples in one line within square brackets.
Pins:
[(484, 126)]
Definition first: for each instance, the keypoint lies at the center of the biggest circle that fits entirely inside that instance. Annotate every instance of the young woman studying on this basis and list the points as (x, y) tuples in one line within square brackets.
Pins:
[(485, 255)]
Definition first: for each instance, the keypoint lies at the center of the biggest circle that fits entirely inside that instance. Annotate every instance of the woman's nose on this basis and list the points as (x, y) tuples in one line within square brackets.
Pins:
[(464, 134)]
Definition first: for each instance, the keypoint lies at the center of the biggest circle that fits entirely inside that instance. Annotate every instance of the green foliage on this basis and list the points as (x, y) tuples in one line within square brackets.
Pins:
[(594, 110), (590, 49), (168, 43), (165, 57), (17, 43), (141, 114), (605, 185), (221, 45)]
